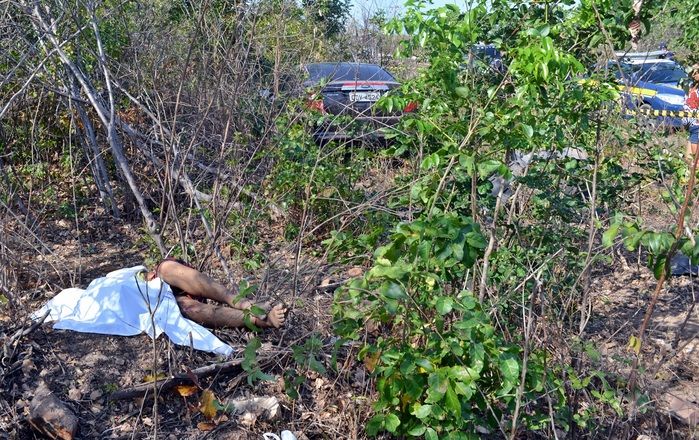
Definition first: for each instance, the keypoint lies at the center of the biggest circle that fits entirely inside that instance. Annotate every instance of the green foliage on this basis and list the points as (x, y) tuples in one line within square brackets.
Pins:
[(320, 179), (441, 366), (670, 27), (331, 14), (344, 246), (660, 245), (307, 357), (250, 364)]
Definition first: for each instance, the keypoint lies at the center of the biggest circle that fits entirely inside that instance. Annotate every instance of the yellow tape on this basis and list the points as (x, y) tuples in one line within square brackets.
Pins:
[(675, 114)]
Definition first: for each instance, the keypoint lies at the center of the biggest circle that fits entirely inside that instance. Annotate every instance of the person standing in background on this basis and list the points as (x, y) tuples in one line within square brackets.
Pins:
[(692, 104)]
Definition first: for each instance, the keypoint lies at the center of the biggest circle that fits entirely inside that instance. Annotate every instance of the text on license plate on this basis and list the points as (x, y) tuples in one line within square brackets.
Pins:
[(364, 96)]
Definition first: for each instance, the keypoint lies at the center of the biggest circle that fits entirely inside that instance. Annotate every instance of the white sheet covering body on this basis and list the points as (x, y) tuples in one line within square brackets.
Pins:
[(121, 303)]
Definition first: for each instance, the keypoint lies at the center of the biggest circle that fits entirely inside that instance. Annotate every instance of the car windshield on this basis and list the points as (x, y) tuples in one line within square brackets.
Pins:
[(619, 69), (663, 73), (486, 53), (347, 72)]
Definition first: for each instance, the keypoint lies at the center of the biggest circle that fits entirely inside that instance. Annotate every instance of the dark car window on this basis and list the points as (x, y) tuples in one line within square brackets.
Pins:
[(347, 72), (661, 73), (486, 53), (486, 58), (619, 70)]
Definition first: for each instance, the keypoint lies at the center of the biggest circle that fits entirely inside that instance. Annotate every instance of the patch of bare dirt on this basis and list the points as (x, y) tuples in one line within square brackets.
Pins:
[(670, 355), (84, 370)]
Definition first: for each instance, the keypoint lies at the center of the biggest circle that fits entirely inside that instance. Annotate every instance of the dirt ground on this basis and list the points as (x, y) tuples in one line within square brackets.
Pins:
[(83, 370)]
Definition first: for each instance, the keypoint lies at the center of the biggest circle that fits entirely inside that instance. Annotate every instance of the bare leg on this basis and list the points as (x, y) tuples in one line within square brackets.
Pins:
[(196, 283), (691, 151), (216, 316)]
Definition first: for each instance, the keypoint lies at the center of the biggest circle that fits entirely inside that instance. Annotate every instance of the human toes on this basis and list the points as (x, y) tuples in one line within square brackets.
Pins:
[(277, 316)]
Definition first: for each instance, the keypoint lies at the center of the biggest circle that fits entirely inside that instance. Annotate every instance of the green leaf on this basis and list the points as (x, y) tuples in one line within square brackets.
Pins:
[(467, 300), (633, 238), (477, 355), (476, 239), (444, 305), (431, 161), (509, 368), (634, 344), (422, 411), (592, 352), (395, 272), (467, 162), (259, 375), (417, 431), (257, 310), (659, 267), (431, 434), (392, 290), (391, 423), (457, 250), (425, 364), (408, 365), (315, 365), (374, 425), (658, 242), (610, 234), (437, 387), (423, 249), (452, 402), (462, 91), (464, 390), (488, 167), (528, 130)]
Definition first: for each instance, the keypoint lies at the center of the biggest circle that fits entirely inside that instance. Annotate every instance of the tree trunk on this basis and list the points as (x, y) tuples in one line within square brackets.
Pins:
[(46, 28), (88, 140)]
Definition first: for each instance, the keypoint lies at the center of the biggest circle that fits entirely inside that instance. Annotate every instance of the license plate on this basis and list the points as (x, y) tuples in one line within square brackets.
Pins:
[(364, 96)]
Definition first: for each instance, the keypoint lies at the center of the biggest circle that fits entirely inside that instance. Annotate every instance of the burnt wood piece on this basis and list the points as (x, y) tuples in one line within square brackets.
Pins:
[(50, 416)]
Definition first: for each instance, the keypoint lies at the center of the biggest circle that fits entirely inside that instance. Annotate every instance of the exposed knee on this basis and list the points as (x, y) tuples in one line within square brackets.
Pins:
[(190, 308), (167, 270)]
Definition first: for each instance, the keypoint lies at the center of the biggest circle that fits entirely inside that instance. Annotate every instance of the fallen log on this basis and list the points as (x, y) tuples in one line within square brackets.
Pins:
[(50, 416), (143, 389)]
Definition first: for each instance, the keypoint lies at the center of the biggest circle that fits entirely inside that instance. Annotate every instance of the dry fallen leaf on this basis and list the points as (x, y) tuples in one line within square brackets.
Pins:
[(248, 419), (28, 366), (206, 426), (75, 394), (371, 360), (186, 390), (151, 378), (207, 404), (355, 272)]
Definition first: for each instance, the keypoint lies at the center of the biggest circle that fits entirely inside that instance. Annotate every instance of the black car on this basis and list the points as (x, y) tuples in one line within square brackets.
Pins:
[(347, 94)]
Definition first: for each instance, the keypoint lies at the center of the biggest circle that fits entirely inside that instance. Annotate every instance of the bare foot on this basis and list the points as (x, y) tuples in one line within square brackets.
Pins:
[(243, 304), (246, 304), (275, 318)]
